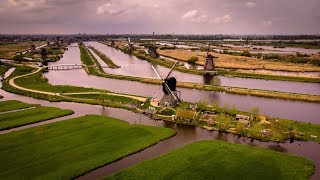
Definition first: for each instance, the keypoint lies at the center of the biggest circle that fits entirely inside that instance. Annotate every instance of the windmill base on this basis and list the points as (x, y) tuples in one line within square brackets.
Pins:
[(168, 100)]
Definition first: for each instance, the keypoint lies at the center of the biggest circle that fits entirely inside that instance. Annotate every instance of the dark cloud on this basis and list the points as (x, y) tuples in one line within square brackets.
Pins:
[(169, 16)]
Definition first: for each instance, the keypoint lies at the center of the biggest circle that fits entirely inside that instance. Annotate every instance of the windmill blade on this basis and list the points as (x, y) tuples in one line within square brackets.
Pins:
[(208, 48), (157, 92), (172, 69), (129, 40), (157, 73)]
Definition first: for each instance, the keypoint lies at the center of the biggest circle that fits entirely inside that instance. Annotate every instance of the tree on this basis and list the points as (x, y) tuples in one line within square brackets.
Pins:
[(255, 112), (201, 105), (18, 58), (193, 60), (241, 128)]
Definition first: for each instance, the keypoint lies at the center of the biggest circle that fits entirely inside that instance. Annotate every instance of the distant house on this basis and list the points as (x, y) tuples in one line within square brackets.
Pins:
[(240, 117)]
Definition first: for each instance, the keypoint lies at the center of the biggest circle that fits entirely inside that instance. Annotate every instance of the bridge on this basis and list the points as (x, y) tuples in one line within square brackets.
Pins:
[(60, 67)]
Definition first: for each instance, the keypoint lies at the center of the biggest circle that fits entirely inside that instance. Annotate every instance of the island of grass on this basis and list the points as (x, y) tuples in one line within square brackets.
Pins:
[(3, 69), (106, 59), (220, 160), (68, 149), (13, 105), (30, 115)]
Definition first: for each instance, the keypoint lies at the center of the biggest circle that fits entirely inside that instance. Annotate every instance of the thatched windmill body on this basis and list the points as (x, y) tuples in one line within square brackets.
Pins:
[(152, 49), (171, 96), (210, 62)]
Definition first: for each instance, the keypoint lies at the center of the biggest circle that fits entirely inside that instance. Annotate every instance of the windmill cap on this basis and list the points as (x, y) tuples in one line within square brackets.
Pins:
[(211, 56)]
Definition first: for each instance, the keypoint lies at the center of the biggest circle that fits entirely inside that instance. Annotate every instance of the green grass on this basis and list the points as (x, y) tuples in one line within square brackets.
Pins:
[(220, 160), (9, 49), (13, 105), (29, 116), (3, 69), (67, 149), (107, 97), (106, 59), (37, 82)]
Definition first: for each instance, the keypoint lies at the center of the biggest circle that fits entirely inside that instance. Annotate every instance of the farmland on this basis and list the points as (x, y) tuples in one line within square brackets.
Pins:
[(220, 160), (67, 149)]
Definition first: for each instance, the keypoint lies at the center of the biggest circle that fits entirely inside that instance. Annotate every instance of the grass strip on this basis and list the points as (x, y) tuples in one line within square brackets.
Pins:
[(68, 149), (13, 105), (106, 59), (29, 116), (220, 160)]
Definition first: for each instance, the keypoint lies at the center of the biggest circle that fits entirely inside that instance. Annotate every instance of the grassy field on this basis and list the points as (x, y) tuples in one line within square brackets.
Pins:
[(67, 149), (220, 160), (105, 97), (239, 62), (3, 69), (13, 105), (10, 49), (37, 82), (29, 116)]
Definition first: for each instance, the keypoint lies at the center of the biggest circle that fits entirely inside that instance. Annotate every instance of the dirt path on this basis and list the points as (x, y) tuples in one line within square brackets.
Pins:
[(12, 83)]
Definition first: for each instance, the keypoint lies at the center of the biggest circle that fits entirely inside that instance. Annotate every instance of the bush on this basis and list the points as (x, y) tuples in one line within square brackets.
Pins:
[(167, 47), (245, 53), (18, 58), (193, 60)]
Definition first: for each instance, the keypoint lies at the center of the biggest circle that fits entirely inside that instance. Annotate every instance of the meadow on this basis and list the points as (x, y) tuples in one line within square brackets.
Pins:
[(220, 160), (13, 105), (9, 49), (31, 115), (239, 62), (68, 149)]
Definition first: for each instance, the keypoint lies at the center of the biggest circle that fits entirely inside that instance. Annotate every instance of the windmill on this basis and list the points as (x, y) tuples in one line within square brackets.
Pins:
[(209, 64), (152, 49), (112, 43), (130, 45), (169, 84)]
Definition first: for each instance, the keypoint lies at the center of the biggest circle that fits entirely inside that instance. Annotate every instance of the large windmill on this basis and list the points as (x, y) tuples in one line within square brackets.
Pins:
[(169, 84)]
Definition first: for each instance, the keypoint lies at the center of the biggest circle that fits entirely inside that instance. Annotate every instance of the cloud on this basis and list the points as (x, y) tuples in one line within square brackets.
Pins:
[(195, 16), (250, 4), (267, 23), (223, 19), (28, 4), (109, 9)]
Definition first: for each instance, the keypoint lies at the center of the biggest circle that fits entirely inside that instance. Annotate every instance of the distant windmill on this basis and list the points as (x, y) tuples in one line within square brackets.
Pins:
[(112, 43), (169, 84), (152, 49), (44, 57), (130, 45), (210, 63)]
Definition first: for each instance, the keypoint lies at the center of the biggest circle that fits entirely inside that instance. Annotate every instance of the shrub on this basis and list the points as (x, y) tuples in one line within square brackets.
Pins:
[(193, 60)]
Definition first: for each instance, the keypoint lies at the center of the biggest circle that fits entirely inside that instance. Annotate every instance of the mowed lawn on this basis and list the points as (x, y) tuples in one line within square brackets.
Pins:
[(220, 160), (13, 105), (67, 149), (28, 116)]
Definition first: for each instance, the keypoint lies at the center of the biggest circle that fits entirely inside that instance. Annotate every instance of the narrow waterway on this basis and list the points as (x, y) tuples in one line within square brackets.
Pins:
[(132, 66), (295, 110), (185, 135)]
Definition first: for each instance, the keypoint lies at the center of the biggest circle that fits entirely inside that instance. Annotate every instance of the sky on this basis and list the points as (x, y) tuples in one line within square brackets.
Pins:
[(160, 16)]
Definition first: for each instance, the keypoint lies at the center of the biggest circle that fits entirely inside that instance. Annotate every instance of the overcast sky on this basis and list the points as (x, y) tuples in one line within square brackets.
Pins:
[(161, 16)]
